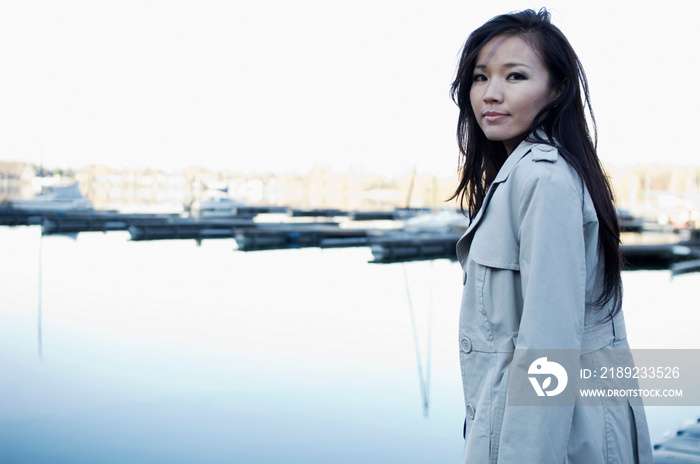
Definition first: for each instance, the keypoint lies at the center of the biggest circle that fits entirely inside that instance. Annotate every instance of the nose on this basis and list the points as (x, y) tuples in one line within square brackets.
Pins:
[(493, 91)]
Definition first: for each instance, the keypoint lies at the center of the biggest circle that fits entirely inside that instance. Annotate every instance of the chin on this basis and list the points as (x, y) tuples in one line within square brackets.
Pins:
[(503, 136), (497, 137)]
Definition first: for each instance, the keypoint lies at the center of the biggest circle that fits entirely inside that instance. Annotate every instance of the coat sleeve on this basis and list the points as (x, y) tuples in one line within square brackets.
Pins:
[(553, 278)]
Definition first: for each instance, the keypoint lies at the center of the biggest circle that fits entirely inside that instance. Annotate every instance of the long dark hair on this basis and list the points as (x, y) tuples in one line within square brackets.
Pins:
[(562, 120)]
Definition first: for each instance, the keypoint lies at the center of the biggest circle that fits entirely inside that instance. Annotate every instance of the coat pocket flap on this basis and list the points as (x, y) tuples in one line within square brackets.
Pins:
[(496, 258)]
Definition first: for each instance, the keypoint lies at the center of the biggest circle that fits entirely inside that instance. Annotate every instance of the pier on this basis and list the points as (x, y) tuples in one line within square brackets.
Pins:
[(322, 228), (682, 448)]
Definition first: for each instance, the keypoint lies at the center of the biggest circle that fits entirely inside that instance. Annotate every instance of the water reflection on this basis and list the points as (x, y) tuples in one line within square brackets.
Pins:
[(39, 337), (424, 379), (169, 352)]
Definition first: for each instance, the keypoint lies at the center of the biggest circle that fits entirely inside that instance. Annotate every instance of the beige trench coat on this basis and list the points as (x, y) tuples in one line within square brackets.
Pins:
[(531, 268)]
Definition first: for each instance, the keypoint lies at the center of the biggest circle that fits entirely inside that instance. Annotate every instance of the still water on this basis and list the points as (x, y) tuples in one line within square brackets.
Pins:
[(115, 351)]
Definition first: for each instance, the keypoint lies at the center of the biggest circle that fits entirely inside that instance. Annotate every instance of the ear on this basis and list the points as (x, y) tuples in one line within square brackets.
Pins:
[(558, 90)]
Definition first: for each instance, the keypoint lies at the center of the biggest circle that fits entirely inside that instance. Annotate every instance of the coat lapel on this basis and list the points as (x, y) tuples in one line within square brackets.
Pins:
[(465, 241)]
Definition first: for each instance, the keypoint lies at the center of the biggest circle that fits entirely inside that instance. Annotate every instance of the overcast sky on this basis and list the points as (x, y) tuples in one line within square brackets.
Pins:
[(275, 85)]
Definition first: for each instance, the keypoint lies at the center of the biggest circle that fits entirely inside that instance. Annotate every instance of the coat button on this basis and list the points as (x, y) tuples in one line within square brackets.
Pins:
[(471, 411), (466, 344)]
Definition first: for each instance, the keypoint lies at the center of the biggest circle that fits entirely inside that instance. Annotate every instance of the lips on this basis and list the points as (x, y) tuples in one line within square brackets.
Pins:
[(493, 116)]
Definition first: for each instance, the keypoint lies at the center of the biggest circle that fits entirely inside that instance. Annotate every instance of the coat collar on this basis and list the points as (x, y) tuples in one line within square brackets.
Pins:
[(521, 150), (543, 152)]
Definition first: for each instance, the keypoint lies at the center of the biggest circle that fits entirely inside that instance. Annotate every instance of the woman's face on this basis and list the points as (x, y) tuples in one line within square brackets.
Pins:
[(510, 86)]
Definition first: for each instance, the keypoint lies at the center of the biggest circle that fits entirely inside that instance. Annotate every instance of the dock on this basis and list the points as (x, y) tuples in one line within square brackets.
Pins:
[(404, 247), (189, 228), (287, 236), (321, 228), (682, 448)]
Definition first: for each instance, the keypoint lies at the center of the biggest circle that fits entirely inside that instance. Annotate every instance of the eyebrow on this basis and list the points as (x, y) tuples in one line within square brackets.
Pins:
[(507, 65)]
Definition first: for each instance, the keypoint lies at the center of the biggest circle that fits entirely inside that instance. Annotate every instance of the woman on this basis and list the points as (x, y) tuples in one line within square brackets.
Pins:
[(541, 255)]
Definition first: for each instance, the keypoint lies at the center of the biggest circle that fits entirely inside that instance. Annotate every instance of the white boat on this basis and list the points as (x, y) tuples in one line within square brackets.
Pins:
[(55, 198), (445, 221), (217, 206)]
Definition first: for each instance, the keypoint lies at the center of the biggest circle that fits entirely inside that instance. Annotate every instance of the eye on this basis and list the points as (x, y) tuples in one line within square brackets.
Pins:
[(517, 76), (479, 78)]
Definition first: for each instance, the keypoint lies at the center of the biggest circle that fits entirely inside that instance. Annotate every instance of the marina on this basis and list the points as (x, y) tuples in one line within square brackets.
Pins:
[(169, 350), (228, 232), (413, 234), (417, 240), (229, 348)]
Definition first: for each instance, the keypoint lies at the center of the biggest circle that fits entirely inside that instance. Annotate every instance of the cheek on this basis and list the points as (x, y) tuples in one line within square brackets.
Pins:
[(545, 96), (474, 101), (475, 111), (530, 107)]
